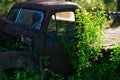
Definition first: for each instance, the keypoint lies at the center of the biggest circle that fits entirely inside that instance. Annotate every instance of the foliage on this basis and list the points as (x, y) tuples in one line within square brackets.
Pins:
[(88, 60), (92, 5), (105, 68), (89, 38), (11, 44), (115, 55), (38, 73), (110, 5), (5, 6)]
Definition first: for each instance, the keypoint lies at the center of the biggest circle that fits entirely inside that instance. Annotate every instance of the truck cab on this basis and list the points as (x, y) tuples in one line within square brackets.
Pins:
[(32, 30)]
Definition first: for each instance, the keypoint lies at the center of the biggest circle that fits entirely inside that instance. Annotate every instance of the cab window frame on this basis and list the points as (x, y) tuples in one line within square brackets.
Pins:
[(54, 13)]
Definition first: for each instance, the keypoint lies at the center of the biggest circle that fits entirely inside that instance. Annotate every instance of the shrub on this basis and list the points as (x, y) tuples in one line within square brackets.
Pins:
[(90, 33), (5, 6), (89, 37), (88, 60)]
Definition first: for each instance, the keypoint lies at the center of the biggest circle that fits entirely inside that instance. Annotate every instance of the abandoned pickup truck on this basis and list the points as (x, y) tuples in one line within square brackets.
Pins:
[(31, 30)]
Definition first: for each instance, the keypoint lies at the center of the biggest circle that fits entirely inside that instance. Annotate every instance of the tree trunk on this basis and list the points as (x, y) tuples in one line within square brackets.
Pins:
[(118, 5), (116, 21)]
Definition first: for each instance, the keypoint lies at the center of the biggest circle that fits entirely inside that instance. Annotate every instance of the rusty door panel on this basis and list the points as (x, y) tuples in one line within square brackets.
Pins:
[(53, 49)]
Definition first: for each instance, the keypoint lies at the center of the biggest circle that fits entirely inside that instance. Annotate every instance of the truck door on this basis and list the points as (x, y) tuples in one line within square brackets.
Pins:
[(58, 25)]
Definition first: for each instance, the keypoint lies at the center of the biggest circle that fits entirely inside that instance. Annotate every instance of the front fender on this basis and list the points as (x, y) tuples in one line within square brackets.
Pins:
[(12, 28), (16, 59)]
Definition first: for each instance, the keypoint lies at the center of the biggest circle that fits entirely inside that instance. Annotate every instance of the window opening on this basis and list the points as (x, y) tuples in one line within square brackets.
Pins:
[(13, 15), (32, 19)]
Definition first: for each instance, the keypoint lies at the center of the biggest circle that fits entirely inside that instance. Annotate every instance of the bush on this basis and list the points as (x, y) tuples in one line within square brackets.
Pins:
[(5, 6), (84, 53), (90, 33), (92, 5), (88, 60)]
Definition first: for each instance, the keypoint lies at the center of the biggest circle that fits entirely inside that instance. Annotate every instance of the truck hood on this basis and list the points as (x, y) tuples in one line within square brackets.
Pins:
[(13, 29)]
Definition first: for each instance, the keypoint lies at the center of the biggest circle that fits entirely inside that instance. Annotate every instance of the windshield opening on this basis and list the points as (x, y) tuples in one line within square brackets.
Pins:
[(31, 19), (13, 14)]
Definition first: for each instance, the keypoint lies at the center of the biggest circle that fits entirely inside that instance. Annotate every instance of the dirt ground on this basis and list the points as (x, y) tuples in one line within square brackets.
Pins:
[(112, 37)]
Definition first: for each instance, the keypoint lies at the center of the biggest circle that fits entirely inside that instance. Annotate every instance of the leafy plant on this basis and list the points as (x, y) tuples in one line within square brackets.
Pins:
[(88, 60), (5, 6), (90, 32), (92, 5), (8, 43), (85, 49)]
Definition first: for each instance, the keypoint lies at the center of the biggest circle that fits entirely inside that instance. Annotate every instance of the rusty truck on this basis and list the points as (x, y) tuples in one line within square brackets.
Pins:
[(31, 30)]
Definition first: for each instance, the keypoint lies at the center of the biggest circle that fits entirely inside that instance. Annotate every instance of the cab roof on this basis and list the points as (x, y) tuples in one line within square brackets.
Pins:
[(46, 5)]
